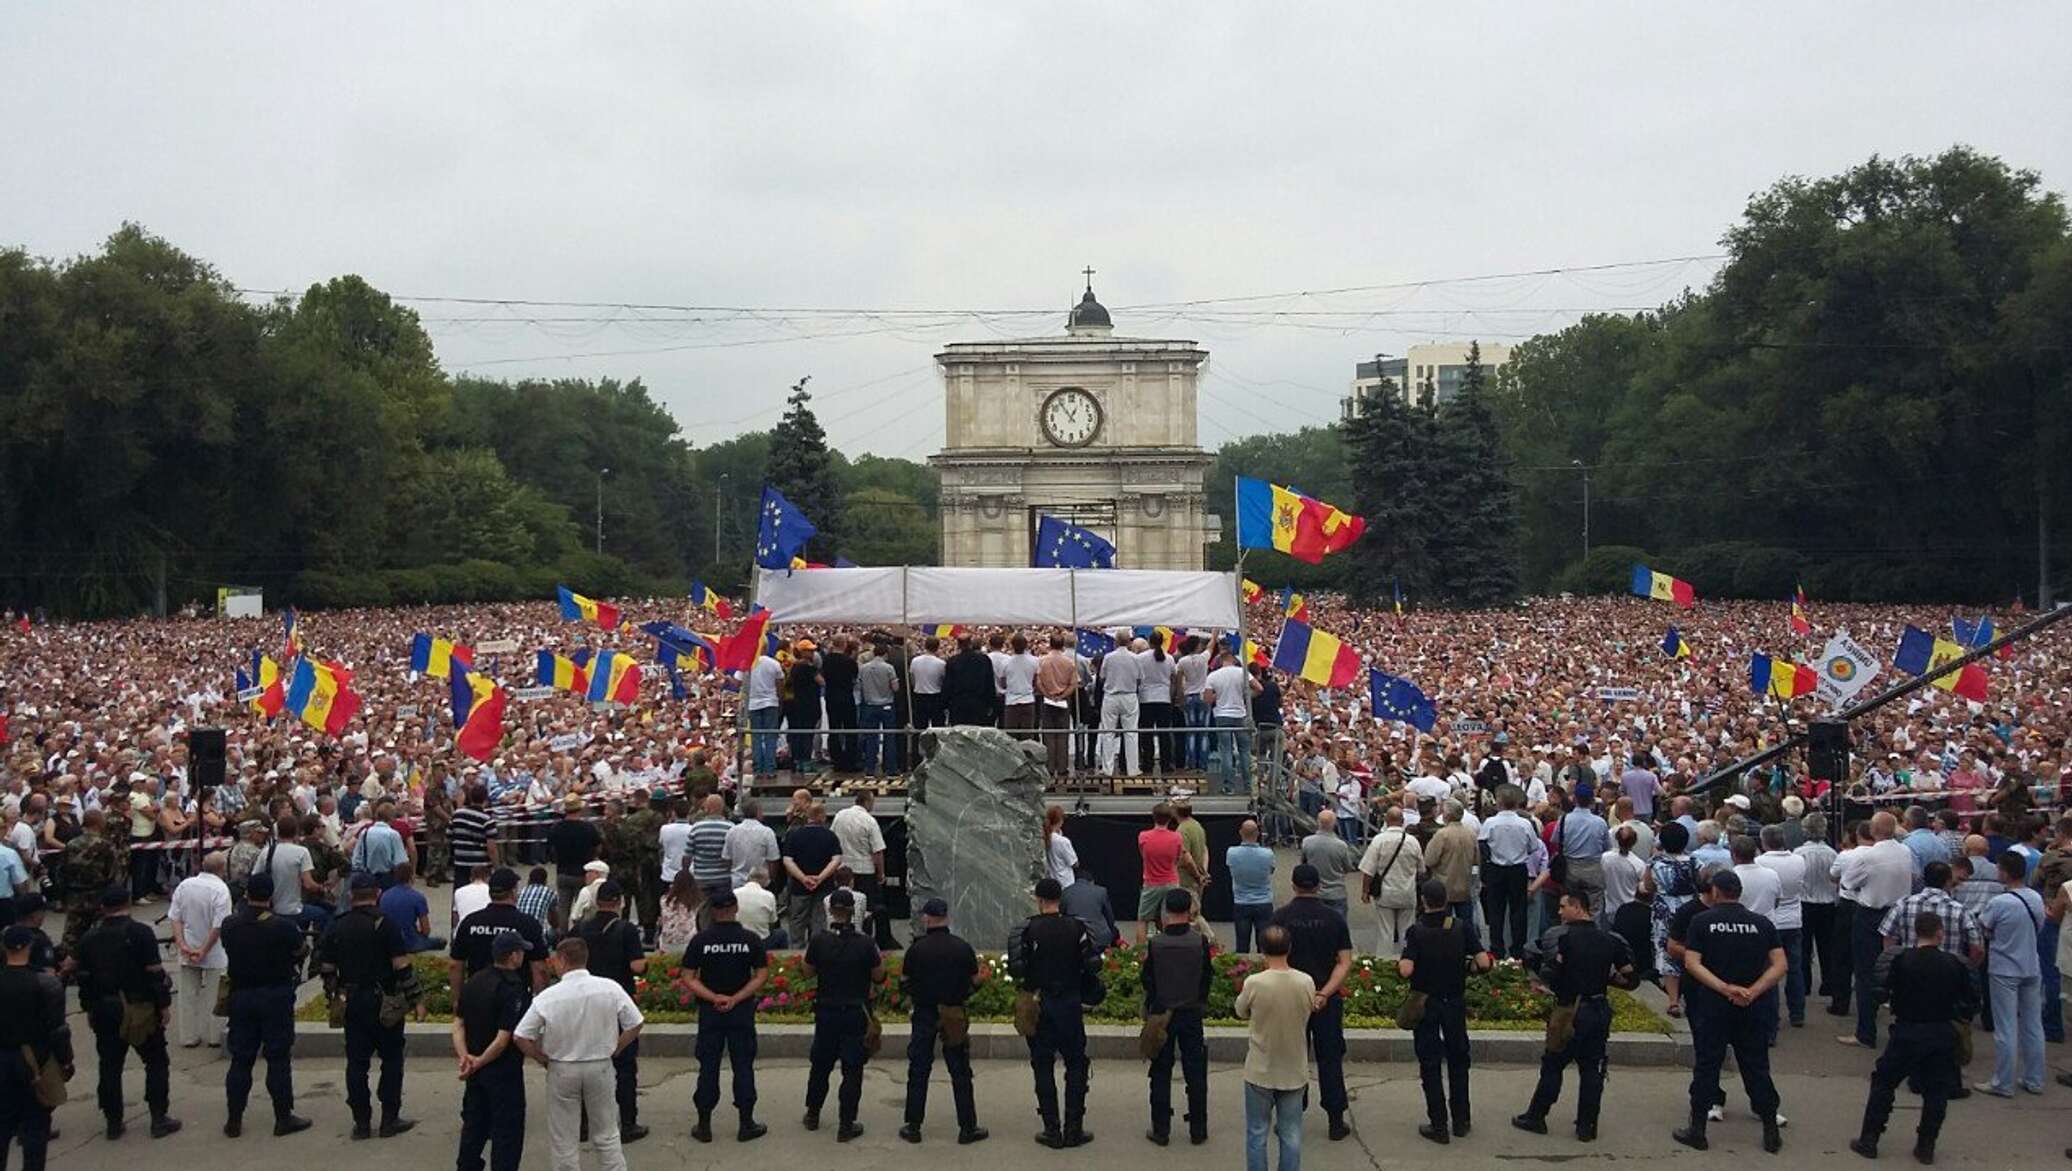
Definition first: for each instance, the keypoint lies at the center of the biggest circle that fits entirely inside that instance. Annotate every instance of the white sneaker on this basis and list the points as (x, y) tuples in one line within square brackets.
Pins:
[(1716, 1114), (1782, 1121)]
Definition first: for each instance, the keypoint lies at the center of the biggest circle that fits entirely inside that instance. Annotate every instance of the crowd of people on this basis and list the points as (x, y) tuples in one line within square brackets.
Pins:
[(1533, 804)]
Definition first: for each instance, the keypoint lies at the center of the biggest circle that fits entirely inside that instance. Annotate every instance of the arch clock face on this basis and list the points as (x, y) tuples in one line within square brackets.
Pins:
[(1070, 417)]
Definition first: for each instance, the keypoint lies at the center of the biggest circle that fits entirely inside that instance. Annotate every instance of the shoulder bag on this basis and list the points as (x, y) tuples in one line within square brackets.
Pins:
[(49, 1078), (1411, 1012), (1376, 881)]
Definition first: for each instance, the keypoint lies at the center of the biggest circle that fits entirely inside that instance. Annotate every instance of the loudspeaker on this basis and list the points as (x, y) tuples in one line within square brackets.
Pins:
[(1827, 751), (205, 757)]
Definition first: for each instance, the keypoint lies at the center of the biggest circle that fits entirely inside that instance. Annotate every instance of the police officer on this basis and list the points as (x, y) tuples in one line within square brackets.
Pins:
[(364, 958), (1322, 945), (724, 967), (845, 963), (1930, 990), (492, 1106), (1732, 958), (1176, 982), (1577, 961), (265, 953), (941, 970), (1051, 956), (472, 937), (91, 867), (32, 1031), (1438, 952), (616, 954), (121, 979)]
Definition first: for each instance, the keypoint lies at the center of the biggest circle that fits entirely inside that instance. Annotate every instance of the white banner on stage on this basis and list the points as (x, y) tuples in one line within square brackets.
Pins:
[(1000, 597)]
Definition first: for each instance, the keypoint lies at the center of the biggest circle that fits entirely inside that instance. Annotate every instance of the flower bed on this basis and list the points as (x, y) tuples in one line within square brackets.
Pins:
[(1505, 998)]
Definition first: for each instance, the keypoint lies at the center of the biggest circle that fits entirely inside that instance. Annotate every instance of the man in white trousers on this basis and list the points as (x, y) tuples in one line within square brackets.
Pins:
[(200, 905), (574, 1029), (1121, 674), (1389, 873)]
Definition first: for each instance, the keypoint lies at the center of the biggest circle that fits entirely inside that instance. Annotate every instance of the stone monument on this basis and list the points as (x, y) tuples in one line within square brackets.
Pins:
[(974, 819)]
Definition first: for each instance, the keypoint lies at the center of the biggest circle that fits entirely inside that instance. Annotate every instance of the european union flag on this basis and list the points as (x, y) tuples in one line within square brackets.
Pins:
[(1397, 698), (1063, 545), (1093, 642), (673, 641), (1972, 635), (676, 688), (781, 531)]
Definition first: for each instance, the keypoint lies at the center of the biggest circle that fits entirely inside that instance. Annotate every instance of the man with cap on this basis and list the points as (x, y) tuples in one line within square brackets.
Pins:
[(1176, 986), (724, 967), (120, 973), (265, 954), (32, 1031), (846, 964), (1578, 962), (1438, 953), (492, 1104), (572, 841), (941, 970), (616, 955), (469, 952), (365, 958), (1050, 956), (1322, 945)]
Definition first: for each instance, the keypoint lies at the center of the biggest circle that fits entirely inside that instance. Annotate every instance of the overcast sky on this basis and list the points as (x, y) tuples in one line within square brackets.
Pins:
[(976, 156)]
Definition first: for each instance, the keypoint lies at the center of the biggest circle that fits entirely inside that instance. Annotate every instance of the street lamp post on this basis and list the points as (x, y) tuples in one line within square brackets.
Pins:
[(601, 474), (1584, 468)]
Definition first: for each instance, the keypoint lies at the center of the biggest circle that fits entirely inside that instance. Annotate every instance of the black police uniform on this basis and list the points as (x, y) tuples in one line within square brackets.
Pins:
[(32, 1016), (1930, 990), (842, 960), (1441, 948), (1176, 981), (265, 954), (474, 935), (492, 1106), (938, 973), (1050, 956), (1316, 935), (614, 946), (1578, 961), (1735, 943), (726, 957), (361, 947), (119, 964)]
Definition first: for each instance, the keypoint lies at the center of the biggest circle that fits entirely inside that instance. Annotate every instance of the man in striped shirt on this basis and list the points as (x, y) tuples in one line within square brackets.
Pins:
[(1962, 935), (706, 852), (471, 836)]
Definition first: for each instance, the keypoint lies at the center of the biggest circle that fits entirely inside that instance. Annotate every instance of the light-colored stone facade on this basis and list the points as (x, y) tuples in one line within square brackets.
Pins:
[(1136, 479)]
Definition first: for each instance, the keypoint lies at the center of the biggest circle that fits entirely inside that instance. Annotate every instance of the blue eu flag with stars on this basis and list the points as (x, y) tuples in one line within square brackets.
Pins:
[(780, 532), (1396, 698), (1063, 545)]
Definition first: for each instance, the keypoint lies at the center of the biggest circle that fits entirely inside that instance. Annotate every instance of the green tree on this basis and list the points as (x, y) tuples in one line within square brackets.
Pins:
[(1389, 450), (1475, 522), (886, 528), (1312, 459), (802, 468)]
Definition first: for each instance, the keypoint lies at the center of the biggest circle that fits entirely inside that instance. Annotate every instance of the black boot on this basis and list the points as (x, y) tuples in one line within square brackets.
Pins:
[(1076, 1133), (1692, 1135), (287, 1124), (1338, 1130), (703, 1130), (163, 1125), (751, 1130), (1158, 1137), (976, 1134), (1050, 1136), (911, 1132), (1864, 1145), (1436, 1132), (115, 1127), (1773, 1135), (363, 1128), (1530, 1121), (233, 1126), (812, 1119), (849, 1130), (629, 1132), (394, 1124), (1924, 1152)]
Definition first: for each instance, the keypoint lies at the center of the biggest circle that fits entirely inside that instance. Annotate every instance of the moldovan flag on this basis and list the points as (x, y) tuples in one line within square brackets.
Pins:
[(1800, 624), (320, 698), (266, 674), (614, 678), (559, 671), (1272, 517), (738, 650), (1253, 590), (1318, 657), (575, 608), (1294, 605), (478, 714), (1674, 646), (947, 631), (1920, 652), (436, 656), (1663, 588), (1777, 677), (710, 601)]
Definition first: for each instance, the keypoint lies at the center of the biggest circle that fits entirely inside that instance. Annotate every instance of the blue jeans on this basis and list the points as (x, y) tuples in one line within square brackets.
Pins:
[(1793, 940), (762, 724), (2047, 957), (1195, 745), (1283, 1108), (2017, 1030), (877, 719), (1237, 744), (1247, 919), (1865, 942)]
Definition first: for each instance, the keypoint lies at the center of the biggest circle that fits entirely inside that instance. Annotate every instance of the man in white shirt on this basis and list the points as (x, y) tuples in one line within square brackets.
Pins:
[(675, 838), (863, 852), (1194, 675), (1789, 919), (924, 683), (1760, 889), (199, 907), (1392, 862), (471, 897), (765, 712), (1510, 839), (574, 1029), (1881, 875), (1120, 675), (756, 907), (1228, 691), (750, 844), (1017, 674)]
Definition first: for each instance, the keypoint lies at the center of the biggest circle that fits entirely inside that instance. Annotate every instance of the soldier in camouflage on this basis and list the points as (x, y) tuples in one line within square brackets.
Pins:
[(91, 867), (643, 826)]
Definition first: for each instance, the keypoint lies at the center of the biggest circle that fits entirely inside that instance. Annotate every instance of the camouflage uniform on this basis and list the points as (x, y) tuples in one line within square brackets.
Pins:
[(643, 828), (92, 865)]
